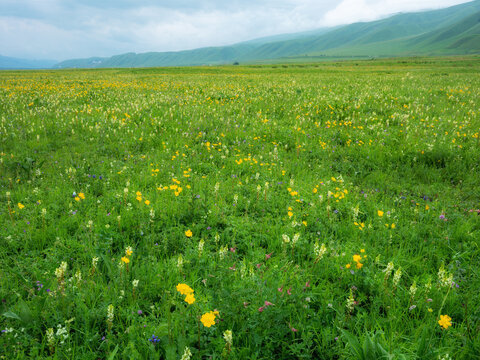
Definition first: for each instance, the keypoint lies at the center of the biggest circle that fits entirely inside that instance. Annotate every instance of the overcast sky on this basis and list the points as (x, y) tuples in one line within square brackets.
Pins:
[(65, 29)]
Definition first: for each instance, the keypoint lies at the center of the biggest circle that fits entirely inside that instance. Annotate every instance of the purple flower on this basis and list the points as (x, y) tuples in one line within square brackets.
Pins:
[(139, 312)]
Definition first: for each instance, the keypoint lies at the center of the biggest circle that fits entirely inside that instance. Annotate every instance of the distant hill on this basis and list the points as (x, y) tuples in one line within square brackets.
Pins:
[(449, 31), (15, 63)]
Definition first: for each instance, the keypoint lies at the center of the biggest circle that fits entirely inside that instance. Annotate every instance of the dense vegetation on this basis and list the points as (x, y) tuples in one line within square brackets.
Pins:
[(315, 211)]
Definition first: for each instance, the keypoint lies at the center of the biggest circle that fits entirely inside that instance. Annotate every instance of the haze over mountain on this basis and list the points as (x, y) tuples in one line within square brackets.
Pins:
[(450, 31), (15, 63)]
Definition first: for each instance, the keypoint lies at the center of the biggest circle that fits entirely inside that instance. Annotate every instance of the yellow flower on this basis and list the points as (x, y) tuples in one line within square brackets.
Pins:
[(128, 251), (139, 198), (208, 319), (81, 196), (393, 226), (190, 299), (290, 214), (188, 233), (147, 202), (125, 259), (315, 190), (445, 321), (362, 250), (184, 289), (357, 258), (20, 206), (77, 198), (380, 213), (359, 265), (348, 266)]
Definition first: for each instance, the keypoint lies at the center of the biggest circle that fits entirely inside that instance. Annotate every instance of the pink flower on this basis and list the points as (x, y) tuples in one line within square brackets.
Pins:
[(232, 267), (232, 249), (268, 256), (280, 289), (258, 266), (289, 292), (261, 308), (268, 303)]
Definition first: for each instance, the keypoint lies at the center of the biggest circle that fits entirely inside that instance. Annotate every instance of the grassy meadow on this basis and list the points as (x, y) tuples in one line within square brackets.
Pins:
[(326, 211)]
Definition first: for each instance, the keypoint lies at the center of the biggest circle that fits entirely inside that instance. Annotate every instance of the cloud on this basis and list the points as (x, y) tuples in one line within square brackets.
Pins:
[(62, 29), (348, 11)]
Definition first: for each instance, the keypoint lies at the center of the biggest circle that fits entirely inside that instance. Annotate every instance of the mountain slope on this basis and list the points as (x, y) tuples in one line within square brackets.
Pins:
[(454, 30), (15, 63)]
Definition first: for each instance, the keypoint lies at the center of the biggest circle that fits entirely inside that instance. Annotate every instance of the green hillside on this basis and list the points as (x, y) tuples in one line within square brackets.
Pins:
[(453, 30)]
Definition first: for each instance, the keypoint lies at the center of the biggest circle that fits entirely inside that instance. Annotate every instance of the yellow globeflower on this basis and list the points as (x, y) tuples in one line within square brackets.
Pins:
[(445, 321), (190, 299), (208, 319), (184, 289)]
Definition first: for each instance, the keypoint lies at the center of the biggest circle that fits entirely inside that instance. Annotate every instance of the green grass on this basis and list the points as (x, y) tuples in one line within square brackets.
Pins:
[(377, 159)]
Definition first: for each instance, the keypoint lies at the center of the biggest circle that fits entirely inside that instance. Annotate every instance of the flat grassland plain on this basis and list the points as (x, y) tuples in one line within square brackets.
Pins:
[(324, 211)]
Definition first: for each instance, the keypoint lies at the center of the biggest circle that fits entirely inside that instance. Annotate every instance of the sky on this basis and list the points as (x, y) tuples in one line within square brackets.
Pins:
[(66, 29)]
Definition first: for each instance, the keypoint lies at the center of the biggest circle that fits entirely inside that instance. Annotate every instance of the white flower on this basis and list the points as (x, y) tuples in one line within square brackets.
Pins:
[(227, 335), (186, 354), (397, 276), (319, 250), (413, 289), (135, 283)]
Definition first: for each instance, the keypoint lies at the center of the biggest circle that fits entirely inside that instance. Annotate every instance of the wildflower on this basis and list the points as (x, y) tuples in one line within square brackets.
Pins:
[(227, 335), (135, 283), (81, 196), (154, 339), (397, 276), (188, 233), (184, 289), (223, 252), (208, 319), (388, 270), (128, 251), (200, 246), (286, 238), (110, 315), (380, 213), (61, 270), (125, 259), (180, 262), (186, 354), (350, 302), (359, 265), (357, 258), (348, 266), (20, 206), (295, 238), (190, 299), (147, 202), (444, 277), (445, 321), (413, 289), (319, 250), (50, 339)]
